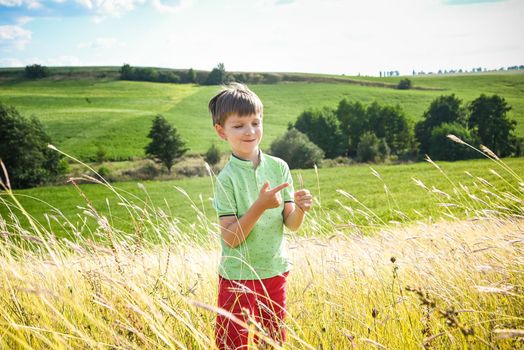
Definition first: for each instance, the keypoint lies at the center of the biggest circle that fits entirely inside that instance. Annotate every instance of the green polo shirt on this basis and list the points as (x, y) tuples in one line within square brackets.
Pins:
[(263, 254)]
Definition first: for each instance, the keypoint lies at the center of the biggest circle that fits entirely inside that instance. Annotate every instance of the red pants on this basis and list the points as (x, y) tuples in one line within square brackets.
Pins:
[(263, 301)]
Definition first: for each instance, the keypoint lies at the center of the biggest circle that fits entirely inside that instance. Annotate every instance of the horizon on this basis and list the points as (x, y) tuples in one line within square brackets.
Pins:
[(302, 36)]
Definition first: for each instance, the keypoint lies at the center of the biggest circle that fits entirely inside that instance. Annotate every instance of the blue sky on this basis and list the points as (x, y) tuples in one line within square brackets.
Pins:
[(328, 36)]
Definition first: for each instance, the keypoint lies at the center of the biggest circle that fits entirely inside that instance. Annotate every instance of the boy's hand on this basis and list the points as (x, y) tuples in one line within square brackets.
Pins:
[(270, 198), (303, 199)]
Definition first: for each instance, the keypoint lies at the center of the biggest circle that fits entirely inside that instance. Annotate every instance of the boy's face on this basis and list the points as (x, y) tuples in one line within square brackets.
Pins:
[(243, 134)]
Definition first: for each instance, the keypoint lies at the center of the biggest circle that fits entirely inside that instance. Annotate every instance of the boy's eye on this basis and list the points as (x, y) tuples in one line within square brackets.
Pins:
[(237, 126)]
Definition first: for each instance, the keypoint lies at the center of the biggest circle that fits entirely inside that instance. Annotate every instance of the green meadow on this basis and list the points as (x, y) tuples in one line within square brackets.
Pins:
[(385, 194), (83, 115)]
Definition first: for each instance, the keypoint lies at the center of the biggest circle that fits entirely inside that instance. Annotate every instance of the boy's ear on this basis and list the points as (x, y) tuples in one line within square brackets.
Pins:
[(220, 131)]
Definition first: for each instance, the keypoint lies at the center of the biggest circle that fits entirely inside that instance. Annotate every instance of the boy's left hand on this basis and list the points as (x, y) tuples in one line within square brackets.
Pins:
[(303, 199)]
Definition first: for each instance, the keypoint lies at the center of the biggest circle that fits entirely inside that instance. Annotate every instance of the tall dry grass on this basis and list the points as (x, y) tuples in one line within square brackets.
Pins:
[(448, 285)]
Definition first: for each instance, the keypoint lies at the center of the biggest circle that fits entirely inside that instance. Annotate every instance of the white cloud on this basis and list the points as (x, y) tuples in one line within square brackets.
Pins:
[(23, 20), (11, 3), (14, 36), (11, 62), (64, 60), (99, 43), (31, 4), (166, 6), (109, 8)]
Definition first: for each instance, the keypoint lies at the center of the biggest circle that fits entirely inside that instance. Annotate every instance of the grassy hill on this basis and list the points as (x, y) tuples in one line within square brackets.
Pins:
[(99, 111)]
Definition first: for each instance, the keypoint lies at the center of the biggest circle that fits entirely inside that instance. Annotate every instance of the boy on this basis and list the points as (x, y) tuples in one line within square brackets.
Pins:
[(254, 198)]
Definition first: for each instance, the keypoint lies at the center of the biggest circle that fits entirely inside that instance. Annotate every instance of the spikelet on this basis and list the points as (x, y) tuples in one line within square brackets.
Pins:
[(455, 139), (488, 152)]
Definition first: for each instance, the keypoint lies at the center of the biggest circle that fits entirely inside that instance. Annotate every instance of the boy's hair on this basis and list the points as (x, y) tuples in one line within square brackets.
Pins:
[(234, 98)]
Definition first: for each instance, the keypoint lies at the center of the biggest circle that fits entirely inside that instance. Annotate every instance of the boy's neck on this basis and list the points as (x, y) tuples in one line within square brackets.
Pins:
[(254, 159)]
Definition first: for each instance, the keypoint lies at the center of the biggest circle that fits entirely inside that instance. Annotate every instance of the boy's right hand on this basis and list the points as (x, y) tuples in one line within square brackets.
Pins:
[(270, 198)]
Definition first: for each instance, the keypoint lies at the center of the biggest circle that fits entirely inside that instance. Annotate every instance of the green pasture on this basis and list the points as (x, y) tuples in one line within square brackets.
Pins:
[(83, 115), (391, 196)]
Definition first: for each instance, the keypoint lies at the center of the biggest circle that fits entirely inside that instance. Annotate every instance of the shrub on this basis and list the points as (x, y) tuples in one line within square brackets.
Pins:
[(322, 128), (212, 155), (368, 147), (104, 172), (101, 154), (442, 148), (36, 71), (404, 84), (296, 149), (147, 172)]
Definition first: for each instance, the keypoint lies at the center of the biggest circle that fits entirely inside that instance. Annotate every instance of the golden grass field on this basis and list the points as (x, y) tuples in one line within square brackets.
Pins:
[(455, 284)]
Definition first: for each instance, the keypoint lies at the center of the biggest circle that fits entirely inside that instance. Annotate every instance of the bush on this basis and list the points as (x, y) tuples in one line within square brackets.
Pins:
[(338, 161), (104, 172), (146, 172), (36, 71), (368, 148), (272, 78), (212, 155), (322, 128), (101, 154), (442, 148), (24, 151), (295, 148), (404, 84)]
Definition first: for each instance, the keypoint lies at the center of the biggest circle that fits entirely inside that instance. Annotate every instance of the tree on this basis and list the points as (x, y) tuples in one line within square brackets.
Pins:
[(212, 155), (368, 147), (442, 148), (191, 76), (24, 151), (126, 72), (217, 76), (353, 123), (166, 145), (389, 123), (404, 84), (297, 150), (489, 121), (322, 128), (444, 109), (36, 71)]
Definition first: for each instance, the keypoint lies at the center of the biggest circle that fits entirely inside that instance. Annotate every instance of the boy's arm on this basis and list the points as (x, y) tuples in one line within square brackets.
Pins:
[(294, 212), (235, 231)]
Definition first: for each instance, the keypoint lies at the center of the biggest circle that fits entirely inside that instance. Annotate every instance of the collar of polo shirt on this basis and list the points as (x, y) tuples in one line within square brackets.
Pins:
[(246, 163)]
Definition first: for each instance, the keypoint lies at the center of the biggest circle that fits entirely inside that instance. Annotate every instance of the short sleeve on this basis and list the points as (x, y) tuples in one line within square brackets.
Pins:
[(288, 191), (224, 201)]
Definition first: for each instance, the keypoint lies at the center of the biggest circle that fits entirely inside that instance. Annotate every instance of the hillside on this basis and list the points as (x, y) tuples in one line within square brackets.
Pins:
[(84, 108)]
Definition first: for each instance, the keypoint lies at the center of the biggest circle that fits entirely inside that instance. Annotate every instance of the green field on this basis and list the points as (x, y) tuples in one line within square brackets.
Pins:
[(393, 197), (82, 115)]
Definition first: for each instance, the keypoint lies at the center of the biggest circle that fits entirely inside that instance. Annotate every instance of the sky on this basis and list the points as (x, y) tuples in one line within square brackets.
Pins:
[(315, 36)]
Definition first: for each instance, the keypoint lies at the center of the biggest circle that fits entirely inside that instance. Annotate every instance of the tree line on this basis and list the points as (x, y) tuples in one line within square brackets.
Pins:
[(377, 132), (217, 76)]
